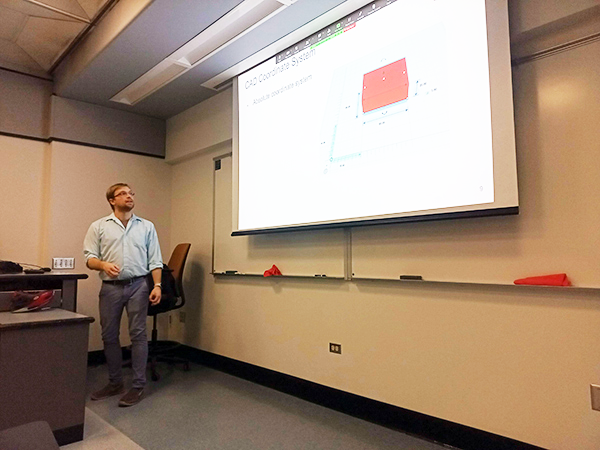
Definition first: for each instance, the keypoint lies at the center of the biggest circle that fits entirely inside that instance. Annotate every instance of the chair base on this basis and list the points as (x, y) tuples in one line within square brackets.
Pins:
[(161, 351)]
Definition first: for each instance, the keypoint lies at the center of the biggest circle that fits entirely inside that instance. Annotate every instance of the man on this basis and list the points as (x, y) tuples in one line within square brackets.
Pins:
[(124, 249)]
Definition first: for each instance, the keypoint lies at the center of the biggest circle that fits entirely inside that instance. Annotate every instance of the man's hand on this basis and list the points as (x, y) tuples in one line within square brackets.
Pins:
[(155, 295), (110, 269)]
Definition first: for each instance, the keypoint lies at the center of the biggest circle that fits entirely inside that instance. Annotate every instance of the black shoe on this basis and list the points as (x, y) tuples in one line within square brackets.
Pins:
[(108, 391), (132, 397)]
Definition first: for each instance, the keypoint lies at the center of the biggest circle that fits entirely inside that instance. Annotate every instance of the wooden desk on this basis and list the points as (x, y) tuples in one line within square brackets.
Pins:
[(64, 281), (43, 366)]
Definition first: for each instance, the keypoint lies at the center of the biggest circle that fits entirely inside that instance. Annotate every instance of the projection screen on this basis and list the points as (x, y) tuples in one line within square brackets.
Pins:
[(398, 111)]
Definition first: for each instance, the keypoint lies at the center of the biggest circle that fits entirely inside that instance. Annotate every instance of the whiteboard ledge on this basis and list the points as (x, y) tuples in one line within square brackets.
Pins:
[(471, 283), (276, 277)]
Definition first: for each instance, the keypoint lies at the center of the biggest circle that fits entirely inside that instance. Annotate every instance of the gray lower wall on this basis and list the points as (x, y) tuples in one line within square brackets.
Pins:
[(29, 109), (24, 105), (86, 123)]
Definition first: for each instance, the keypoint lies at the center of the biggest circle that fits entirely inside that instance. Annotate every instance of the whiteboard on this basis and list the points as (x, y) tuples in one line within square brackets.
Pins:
[(558, 227), (558, 157), (299, 253)]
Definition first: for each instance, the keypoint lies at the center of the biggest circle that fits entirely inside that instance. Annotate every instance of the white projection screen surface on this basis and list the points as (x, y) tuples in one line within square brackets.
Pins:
[(399, 111)]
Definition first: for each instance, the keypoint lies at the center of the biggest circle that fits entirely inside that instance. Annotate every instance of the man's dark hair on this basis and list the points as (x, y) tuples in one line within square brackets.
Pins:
[(110, 192)]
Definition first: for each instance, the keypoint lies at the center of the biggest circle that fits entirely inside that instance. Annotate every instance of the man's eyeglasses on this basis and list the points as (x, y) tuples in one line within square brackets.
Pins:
[(120, 194)]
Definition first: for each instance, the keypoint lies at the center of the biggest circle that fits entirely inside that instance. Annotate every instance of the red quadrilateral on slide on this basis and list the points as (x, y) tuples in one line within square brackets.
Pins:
[(384, 86)]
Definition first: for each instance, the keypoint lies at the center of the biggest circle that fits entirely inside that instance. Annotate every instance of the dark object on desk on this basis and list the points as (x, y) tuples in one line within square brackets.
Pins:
[(10, 267), (34, 271), (273, 271), (36, 267), (558, 279), (172, 298), (30, 436), (411, 277)]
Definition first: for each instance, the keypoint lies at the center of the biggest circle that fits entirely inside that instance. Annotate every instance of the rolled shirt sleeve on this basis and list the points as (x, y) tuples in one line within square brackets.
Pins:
[(154, 254), (91, 243)]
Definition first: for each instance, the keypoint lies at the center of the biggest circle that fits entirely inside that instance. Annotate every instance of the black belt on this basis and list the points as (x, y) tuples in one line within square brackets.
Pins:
[(123, 282)]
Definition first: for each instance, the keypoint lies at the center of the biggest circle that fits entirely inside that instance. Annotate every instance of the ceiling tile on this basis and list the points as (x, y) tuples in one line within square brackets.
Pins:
[(15, 58), (70, 6), (31, 9), (11, 23), (46, 39), (91, 7)]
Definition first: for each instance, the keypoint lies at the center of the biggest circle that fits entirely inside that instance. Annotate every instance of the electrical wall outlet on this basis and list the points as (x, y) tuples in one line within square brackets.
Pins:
[(595, 391), (335, 348), (182, 316), (63, 263)]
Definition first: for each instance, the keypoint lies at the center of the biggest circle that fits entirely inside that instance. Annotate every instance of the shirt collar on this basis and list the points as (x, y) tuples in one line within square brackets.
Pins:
[(115, 219)]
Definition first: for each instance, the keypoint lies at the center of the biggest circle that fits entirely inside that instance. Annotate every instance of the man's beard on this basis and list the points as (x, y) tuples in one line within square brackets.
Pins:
[(126, 208)]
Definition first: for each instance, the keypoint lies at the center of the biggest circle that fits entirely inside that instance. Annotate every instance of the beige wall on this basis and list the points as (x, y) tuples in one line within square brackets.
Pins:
[(200, 128), (53, 192), (22, 177), (513, 361)]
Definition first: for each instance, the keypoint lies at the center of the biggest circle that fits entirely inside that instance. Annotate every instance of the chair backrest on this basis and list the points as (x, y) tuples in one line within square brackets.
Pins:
[(177, 263)]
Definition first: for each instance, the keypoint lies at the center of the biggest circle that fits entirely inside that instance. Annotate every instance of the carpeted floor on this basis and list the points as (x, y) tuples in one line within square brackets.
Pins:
[(208, 409)]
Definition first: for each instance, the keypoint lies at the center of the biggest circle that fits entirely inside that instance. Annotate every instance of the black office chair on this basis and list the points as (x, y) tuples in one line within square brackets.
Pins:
[(164, 350)]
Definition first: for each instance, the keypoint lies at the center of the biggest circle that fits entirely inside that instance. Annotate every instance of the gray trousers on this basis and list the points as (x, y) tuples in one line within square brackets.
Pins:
[(134, 298)]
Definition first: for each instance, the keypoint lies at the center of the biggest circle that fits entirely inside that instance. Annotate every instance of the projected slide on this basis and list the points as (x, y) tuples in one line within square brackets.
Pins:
[(386, 111)]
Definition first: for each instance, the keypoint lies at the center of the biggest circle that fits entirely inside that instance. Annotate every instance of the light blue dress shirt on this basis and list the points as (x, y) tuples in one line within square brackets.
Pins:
[(134, 248)]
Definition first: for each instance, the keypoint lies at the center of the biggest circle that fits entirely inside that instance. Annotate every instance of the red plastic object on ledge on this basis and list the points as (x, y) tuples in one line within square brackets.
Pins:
[(272, 271), (558, 279)]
